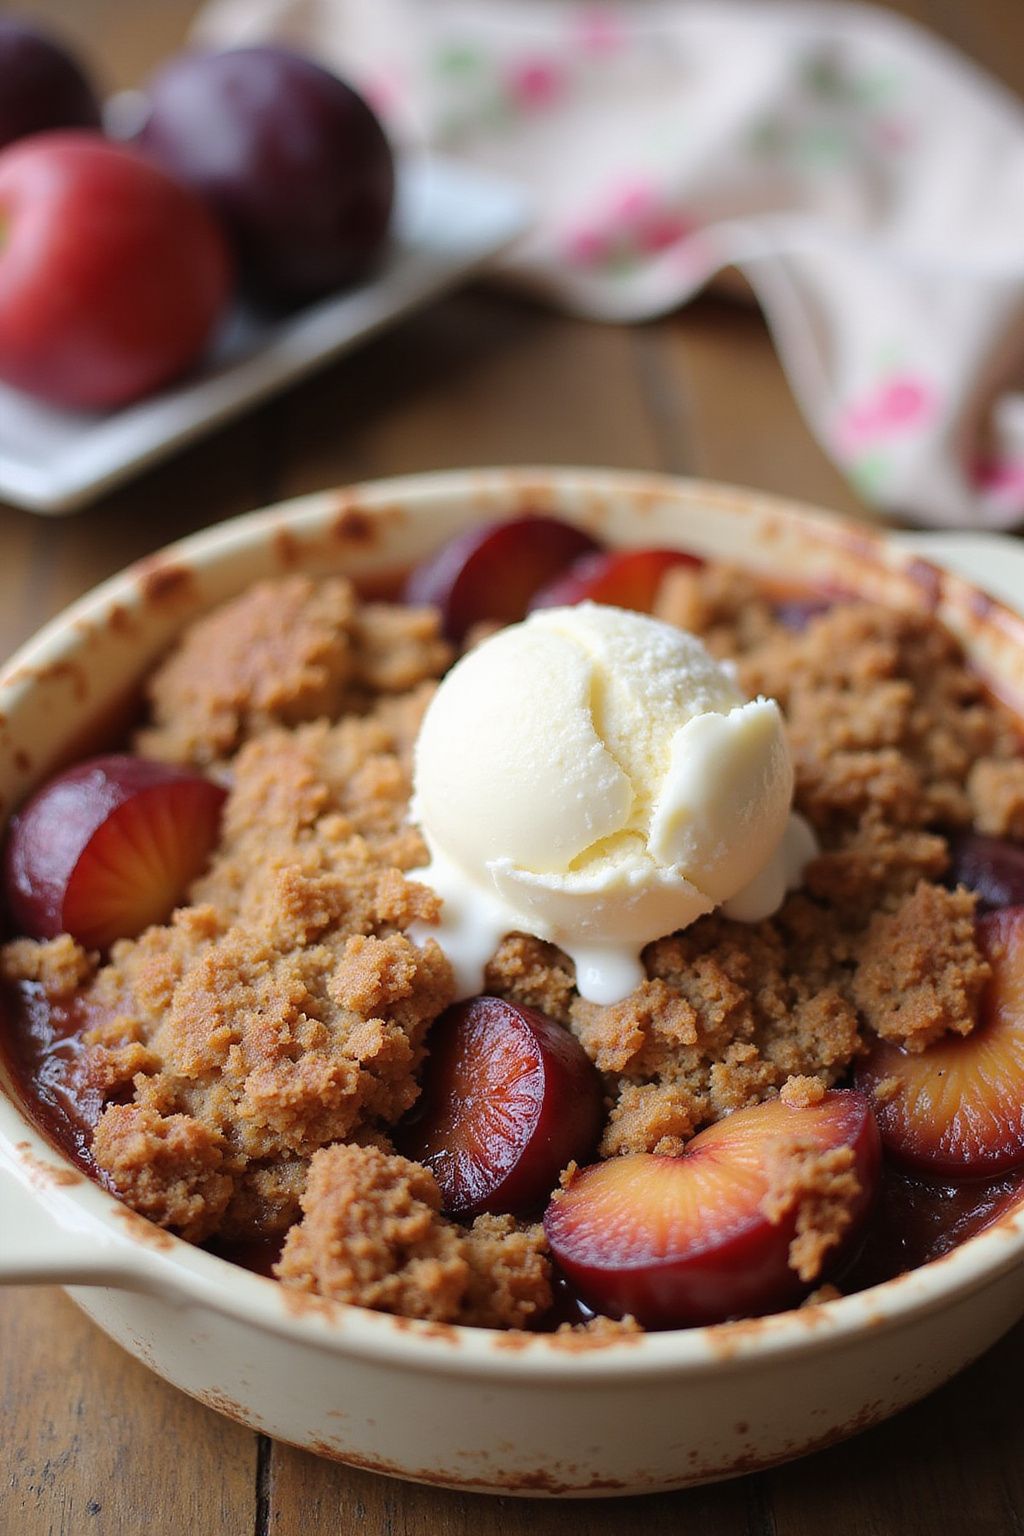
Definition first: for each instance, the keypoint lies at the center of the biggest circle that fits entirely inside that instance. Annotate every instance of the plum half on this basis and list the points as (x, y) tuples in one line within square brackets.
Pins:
[(956, 1109), (627, 578), (991, 867), (698, 1238), (509, 1099), (109, 847), (491, 574)]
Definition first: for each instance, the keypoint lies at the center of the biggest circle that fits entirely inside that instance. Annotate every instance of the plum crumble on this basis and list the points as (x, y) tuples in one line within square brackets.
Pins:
[(250, 1067)]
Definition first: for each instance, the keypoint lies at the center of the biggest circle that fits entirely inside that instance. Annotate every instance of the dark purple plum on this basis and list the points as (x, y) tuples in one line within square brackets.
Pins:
[(795, 615), (41, 85), (291, 158), (510, 1098), (108, 847), (989, 866), (492, 574)]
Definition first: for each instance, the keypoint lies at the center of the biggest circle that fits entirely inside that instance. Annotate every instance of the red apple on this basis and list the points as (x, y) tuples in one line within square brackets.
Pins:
[(112, 276)]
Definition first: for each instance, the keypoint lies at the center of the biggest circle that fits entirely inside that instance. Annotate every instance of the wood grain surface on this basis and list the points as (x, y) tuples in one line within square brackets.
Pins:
[(92, 1443)]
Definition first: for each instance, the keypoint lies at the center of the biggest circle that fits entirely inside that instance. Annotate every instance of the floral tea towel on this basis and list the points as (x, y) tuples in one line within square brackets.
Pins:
[(866, 179)]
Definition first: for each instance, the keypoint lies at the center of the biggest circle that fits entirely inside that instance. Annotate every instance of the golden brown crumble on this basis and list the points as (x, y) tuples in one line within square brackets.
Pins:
[(276, 1037), (822, 1293), (874, 865), (509, 1273), (253, 1053), (601, 1327), (802, 1092), (283, 652), (996, 792), (723, 605), (371, 1234), (171, 1168), (59, 966), (885, 718), (821, 1187), (920, 974)]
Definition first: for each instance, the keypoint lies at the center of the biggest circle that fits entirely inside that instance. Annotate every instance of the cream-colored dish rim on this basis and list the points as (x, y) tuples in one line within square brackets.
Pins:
[(66, 1229)]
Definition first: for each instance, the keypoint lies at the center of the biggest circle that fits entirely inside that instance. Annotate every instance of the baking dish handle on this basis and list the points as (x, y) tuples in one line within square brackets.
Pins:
[(48, 1241)]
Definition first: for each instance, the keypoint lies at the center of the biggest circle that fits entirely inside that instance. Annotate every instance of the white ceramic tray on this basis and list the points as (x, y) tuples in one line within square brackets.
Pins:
[(448, 222)]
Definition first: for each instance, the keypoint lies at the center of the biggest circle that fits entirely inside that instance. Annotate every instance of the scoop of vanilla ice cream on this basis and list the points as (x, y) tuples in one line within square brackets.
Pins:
[(595, 778)]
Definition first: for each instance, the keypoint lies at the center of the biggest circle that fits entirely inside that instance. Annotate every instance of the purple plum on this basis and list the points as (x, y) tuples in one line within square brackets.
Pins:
[(41, 85), (290, 157)]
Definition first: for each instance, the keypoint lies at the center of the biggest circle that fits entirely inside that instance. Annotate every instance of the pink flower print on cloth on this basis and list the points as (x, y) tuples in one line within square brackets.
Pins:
[(899, 403), (633, 223), (873, 428), (597, 30), (535, 84), (865, 179)]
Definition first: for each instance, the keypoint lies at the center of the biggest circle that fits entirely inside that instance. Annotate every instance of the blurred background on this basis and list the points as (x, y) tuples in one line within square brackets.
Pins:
[(482, 377), (125, 39)]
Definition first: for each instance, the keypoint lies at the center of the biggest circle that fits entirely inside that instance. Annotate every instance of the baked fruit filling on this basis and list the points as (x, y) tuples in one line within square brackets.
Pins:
[(232, 997)]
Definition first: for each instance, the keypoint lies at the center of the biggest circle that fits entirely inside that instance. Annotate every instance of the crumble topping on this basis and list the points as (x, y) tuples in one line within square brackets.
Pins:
[(802, 1092), (285, 651), (59, 966), (885, 718), (372, 1234), (602, 1328), (253, 1053), (919, 972), (821, 1188), (995, 789)]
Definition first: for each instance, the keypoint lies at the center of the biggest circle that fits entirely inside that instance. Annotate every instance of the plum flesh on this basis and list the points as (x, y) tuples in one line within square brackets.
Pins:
[(689, 1240), (109, 847), (509, 1100)]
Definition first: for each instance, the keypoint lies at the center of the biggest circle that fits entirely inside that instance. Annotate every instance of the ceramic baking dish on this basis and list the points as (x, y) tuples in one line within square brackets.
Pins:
[(460, 1407)]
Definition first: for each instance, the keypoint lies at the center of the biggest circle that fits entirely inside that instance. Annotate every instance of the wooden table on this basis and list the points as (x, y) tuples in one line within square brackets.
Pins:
[(92, 1444)]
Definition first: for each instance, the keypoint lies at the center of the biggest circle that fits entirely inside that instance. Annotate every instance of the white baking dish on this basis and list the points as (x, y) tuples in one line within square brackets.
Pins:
[(471, 1408)]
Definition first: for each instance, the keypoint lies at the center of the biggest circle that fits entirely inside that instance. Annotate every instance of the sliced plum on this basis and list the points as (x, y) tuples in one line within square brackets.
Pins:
[(509, 1099), (109, 847), (491, 574), (713, 1233), (956, 1110), (627, 578)]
